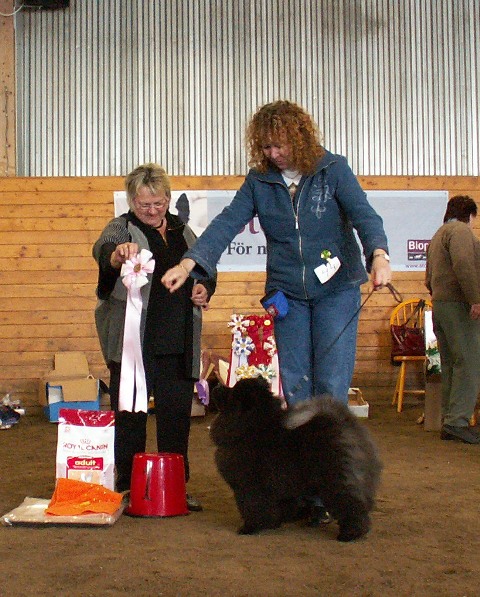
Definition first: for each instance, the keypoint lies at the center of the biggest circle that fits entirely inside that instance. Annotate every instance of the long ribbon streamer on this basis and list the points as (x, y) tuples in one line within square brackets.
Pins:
[(133, 387)]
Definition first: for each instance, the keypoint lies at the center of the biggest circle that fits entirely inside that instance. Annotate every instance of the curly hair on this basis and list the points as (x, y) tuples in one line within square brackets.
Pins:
[(152, 176), (284, 123)]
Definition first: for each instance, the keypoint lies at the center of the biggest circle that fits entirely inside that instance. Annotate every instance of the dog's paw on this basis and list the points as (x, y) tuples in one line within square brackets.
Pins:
[(249, 528), (350, 535), (351, 532)]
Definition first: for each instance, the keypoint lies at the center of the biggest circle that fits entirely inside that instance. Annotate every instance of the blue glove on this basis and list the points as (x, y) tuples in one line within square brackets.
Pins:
[(275, 304)]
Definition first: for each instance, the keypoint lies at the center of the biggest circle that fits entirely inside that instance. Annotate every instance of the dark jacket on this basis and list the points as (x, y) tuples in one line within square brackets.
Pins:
[(112, 294)]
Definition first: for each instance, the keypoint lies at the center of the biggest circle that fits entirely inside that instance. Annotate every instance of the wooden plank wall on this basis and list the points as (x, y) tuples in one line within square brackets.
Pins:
[(7, 89), (48, 277)]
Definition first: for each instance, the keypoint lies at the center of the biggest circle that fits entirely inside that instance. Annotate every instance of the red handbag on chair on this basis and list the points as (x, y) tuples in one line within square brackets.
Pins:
[(408, 339)]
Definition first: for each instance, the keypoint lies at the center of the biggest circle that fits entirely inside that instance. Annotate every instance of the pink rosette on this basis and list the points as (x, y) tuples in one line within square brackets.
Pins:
[(135, 271)]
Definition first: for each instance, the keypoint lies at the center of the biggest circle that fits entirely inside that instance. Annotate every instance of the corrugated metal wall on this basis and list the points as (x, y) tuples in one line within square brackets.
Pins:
[(108, 84)]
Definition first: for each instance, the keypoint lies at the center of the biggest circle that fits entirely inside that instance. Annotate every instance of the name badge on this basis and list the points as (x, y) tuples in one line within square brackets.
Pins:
[(327, 270)]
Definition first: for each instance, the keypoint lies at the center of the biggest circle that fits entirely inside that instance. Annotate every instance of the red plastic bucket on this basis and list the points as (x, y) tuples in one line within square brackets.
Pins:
[(157, 486)]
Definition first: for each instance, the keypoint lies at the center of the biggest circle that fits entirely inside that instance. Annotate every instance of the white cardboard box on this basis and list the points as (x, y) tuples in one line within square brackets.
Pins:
[(356, 403)]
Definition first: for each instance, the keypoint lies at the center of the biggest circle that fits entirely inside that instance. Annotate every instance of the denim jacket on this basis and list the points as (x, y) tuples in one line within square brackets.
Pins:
[(328, 206)]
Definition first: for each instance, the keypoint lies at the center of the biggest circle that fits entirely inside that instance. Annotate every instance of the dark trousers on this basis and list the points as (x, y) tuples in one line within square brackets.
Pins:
[(458, 339), (173, 394)]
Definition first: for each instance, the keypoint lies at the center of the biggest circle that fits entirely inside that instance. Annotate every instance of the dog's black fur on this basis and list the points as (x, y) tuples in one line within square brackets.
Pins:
[(273, 458)]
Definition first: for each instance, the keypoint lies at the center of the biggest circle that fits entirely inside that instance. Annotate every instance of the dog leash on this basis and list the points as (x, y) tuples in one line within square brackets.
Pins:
[(396, 295), (394, 292)]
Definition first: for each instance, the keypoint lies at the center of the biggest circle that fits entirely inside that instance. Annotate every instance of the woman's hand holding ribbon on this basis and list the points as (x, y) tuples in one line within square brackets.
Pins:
[(122, 253)]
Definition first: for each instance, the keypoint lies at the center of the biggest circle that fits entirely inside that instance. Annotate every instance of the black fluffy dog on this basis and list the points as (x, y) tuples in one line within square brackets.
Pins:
[(273, 458)]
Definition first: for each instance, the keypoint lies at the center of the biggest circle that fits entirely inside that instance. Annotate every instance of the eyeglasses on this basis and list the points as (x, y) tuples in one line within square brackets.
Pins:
[(147, 206)]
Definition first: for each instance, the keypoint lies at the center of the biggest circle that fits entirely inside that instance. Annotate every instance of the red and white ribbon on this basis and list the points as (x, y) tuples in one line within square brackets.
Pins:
[(132, 376)]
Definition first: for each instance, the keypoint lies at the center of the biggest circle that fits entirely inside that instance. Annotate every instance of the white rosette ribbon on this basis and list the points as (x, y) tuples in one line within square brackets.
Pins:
[(242, 347), (134, 274), (266, 371), (237, 324), (270, 346)]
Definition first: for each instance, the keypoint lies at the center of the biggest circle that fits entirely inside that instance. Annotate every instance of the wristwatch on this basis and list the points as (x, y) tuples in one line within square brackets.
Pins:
[(384, 255)]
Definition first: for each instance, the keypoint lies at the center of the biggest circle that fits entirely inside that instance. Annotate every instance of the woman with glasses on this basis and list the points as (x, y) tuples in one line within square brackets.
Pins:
[(170, 324)]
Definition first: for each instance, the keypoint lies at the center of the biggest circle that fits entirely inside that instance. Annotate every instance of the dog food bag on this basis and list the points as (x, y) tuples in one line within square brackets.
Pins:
[(85, 446)]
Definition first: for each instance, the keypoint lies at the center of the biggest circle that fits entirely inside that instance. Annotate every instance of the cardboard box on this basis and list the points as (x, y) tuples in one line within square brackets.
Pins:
[(69, 381), (198, 409), (52, 410), (357, 405)]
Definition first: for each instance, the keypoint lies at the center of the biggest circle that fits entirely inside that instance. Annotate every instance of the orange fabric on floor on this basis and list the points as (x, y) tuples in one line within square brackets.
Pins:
[(72, 497)]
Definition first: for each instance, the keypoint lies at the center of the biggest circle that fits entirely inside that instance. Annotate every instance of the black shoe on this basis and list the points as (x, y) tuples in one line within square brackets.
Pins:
[(193, 504), (467, 435), (319, 516)]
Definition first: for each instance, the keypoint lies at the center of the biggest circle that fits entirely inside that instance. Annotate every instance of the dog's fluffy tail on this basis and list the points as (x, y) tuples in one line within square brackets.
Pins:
[(306, 410)]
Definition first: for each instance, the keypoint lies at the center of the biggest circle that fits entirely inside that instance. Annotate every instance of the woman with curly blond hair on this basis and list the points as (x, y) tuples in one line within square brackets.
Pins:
[(290, 125), (308, 203)]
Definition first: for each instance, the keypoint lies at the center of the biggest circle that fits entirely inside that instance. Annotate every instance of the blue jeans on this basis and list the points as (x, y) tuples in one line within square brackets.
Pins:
[(316, 345)]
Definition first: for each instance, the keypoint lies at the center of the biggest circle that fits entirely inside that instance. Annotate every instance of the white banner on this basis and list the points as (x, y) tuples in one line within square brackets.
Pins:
[(410, 219)]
